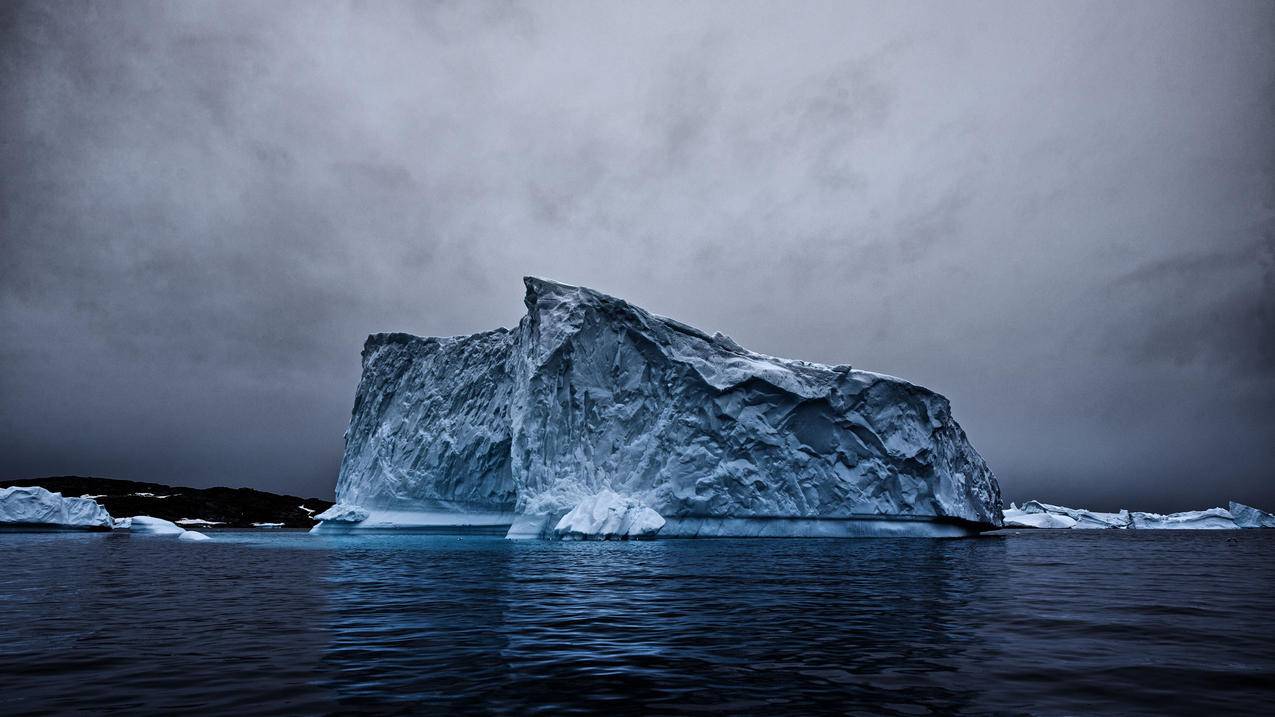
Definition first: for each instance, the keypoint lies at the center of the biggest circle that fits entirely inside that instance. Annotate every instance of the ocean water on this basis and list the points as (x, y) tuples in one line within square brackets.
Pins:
[(1092, 622)]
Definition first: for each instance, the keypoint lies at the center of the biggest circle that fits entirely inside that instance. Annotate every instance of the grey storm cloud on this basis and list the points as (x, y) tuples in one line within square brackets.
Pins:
[(1060, 215)]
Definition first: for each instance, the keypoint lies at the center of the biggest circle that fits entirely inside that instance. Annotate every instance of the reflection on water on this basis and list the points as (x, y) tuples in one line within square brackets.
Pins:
[(1095, 622)]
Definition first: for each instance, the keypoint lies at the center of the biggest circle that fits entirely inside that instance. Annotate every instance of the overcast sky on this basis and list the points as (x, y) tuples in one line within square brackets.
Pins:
[(1059, 215)]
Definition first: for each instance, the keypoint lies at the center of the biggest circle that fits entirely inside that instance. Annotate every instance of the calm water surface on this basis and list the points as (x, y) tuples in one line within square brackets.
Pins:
[(1091, 622)]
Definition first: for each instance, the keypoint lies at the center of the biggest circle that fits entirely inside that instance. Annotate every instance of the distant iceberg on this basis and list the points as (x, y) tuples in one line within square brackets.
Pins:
[(1211, 519), (1082, 519), (1015, 518), (1250, 517), (193, 535), (591, 396), (34, 508), (1035, 514)]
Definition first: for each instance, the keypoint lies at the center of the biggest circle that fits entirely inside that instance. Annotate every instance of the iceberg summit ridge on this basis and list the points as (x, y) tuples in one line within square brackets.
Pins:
[(590, 395)]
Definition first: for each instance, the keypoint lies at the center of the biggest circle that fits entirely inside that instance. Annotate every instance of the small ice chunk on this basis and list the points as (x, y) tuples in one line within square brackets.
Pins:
[(267, 525), (342, 513), (147, 525), (1247, 516), (193, 535), (609, 516)]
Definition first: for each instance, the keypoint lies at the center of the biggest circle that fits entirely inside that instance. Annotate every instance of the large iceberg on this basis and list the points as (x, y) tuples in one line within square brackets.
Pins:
[(34, 508), (591, 394)]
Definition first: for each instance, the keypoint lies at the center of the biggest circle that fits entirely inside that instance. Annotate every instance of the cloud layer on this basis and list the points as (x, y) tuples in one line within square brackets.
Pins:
[(1062, 216)]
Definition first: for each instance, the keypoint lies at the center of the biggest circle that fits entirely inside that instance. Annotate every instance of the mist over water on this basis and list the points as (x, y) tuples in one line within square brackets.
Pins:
[(1094, 622)]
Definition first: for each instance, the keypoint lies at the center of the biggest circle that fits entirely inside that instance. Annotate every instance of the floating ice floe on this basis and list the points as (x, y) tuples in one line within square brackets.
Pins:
[(199, 522), (590, 393), (609, 516), (193, 535), (34, 508), (267, 525)]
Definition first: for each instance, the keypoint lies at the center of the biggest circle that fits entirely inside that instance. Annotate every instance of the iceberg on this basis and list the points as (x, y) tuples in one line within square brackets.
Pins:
[(193, 535), (123, 524), (1083, 519), (147, 525), (512, 430), (1015, 518), (1249, 517), (1211, 519), (34, 508), (267, 525), (609, 516)]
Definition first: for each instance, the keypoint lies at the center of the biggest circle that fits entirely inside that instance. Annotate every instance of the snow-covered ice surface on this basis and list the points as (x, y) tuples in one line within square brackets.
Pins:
[(147, 525), (1211, 519), (193, 535), (34, 508), (590, 393), (609, 516), (1246, 516)]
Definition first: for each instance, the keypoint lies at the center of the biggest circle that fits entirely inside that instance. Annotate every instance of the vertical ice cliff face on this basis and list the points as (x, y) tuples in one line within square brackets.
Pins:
[(592, 394), (430, 429)]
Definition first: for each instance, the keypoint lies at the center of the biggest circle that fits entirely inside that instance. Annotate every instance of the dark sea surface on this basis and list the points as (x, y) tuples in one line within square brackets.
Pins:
[(1049, 623)]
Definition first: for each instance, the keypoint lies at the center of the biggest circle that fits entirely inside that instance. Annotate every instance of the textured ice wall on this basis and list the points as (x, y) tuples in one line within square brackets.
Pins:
[(35, 507), (590, 393), (430, 427)]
